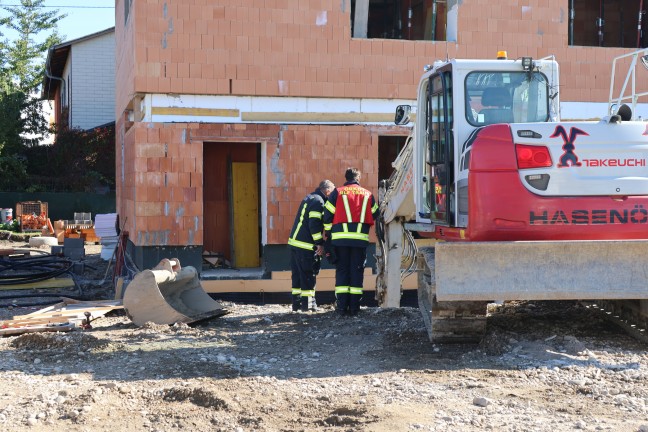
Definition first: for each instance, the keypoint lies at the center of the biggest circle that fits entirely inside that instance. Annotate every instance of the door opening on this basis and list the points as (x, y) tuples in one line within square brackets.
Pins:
[(231, 202)]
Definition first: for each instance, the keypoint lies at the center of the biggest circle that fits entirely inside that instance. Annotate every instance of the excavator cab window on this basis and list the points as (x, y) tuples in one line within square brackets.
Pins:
[(440, 143), (506, 97)]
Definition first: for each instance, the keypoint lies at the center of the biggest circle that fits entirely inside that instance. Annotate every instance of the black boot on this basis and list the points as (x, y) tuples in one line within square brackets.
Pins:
[(296, 302), (342, 303), (354, 303)]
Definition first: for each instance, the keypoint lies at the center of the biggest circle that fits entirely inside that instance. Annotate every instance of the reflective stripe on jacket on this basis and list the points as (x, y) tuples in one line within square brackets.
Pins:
[(307, 229)]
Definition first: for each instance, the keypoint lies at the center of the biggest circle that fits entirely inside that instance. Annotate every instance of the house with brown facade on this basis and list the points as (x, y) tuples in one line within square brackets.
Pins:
[(230, 112)]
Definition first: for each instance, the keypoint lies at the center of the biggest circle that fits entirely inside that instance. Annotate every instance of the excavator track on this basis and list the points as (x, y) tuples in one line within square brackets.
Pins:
[(630, 315), (465, 321), (451, 321)]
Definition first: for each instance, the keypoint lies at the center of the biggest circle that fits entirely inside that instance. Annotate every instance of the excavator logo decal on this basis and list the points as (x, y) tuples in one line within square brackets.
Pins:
[(568, 158), (636, 215)]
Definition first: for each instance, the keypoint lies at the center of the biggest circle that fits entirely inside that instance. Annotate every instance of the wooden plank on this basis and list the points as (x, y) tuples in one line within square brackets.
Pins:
[(75, 312), (35, 329), (186, 111), (18, 322), (46, 284), (318, 117), (119, 288), (270, 285), (75, 309), (330, 273)]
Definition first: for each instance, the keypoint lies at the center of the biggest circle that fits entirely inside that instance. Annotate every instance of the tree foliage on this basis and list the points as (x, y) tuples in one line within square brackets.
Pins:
[(78, 160), (22, 66)]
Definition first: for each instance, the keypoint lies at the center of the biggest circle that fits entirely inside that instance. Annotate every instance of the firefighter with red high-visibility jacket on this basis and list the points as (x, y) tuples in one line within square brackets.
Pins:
[(349, 214)]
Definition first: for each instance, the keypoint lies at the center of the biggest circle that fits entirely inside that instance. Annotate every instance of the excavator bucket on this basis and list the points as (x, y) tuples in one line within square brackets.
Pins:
[(168, 294)]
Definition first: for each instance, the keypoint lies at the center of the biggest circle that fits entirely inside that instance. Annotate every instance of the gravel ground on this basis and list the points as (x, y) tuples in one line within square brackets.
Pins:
[(540, 367)]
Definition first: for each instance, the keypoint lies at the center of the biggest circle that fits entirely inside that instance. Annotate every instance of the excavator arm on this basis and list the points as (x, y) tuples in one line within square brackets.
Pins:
[(396, 251)]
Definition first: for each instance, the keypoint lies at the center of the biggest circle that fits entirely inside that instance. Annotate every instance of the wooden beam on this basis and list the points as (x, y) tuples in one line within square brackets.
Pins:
[(186, 111), (49, 283), (36, 329), (22, 322), (74, 309), (319, 117)]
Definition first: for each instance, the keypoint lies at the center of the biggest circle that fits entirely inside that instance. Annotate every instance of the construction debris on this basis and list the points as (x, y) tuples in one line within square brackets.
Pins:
[(63, 316)]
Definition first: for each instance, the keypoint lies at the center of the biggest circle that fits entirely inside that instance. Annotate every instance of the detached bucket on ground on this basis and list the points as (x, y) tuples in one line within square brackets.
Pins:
[(169, 294)]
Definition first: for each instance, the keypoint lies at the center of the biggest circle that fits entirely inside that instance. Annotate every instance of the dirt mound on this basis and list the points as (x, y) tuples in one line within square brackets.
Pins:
[(52, 347), (199, 397), (342, 417)]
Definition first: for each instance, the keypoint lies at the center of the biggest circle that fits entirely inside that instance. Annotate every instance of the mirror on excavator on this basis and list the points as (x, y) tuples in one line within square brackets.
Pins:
[(403, 113)]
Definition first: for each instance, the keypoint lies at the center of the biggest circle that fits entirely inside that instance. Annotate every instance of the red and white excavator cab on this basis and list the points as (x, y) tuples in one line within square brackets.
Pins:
[(492, 161), (458, 97)]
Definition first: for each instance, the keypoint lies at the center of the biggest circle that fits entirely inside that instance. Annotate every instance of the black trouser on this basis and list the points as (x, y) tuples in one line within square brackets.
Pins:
[(349, 277), (303, 276)]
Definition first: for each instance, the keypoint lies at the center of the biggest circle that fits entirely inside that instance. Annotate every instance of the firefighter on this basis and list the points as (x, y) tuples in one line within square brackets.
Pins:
[(349, 213), (306, 247)]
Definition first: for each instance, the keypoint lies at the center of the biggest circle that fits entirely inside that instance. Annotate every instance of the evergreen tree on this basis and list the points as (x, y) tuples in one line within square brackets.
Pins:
[(22, 66)]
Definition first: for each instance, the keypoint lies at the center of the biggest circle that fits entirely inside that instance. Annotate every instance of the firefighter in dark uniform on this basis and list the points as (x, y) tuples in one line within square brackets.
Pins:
[(306, 247), (349, 213)]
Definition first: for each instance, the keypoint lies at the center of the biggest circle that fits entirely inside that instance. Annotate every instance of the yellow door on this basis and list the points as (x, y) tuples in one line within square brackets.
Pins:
[(245, 214)]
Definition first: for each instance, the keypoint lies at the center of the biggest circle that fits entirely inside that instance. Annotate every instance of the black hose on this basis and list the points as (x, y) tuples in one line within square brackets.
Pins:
[(32, 269)]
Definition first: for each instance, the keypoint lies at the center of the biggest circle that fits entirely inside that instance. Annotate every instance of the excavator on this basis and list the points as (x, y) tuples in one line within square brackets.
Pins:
[(511, 202)]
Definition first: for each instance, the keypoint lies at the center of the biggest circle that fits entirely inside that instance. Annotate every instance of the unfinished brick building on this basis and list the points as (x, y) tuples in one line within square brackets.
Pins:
[(229, 112)]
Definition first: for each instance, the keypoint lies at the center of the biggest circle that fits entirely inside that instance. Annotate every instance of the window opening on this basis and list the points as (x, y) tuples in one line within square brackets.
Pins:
[(399, 19), (389, 146), (608, 23)]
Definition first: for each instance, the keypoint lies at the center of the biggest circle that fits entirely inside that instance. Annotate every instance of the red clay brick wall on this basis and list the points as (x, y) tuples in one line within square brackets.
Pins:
[(309, 154), (160, 199), (247, 48), (298, 157), (124, 59)]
